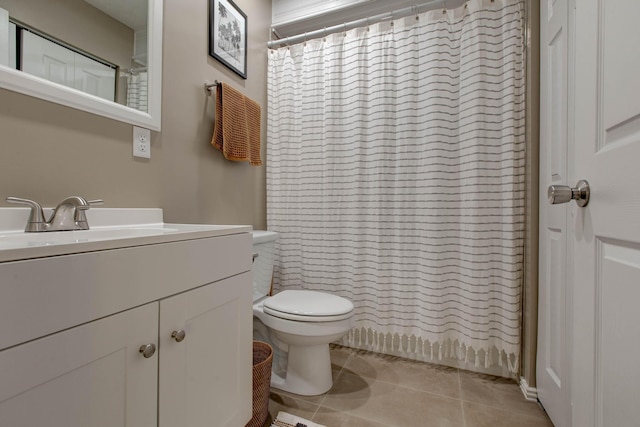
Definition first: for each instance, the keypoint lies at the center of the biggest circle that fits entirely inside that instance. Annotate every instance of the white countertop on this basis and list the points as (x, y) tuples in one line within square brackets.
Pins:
[(110, 229)]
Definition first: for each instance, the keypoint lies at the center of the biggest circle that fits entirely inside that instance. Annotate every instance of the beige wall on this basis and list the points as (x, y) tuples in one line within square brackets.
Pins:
[(199, 184), (48, 152)]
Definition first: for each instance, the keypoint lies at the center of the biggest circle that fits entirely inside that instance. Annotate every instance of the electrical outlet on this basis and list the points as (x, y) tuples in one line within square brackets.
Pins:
[(141, 142)]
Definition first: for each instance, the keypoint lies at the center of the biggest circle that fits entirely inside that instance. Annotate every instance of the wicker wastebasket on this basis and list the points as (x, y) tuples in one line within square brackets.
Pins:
[(262, 358)]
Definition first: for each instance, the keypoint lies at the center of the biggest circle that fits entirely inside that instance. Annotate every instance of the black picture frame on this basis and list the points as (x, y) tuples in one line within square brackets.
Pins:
[(228, 35)]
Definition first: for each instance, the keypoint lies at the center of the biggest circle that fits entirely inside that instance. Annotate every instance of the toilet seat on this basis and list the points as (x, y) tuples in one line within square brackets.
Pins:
[(308, 306)]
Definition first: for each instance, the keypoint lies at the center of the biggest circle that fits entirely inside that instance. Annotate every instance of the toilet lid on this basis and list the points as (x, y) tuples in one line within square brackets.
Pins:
[(310, 306)]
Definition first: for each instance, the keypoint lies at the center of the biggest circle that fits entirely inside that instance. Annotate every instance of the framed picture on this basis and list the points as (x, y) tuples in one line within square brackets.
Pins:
[(228, 35)]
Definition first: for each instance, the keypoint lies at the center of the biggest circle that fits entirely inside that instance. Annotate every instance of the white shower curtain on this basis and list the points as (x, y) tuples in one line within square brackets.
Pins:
[(395, 177)]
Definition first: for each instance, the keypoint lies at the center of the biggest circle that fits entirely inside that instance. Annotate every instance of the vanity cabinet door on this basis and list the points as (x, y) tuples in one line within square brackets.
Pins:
[(205, 378), (92, 375)]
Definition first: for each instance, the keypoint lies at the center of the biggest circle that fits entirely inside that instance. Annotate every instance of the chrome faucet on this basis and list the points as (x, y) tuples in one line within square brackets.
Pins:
[(68, 215)]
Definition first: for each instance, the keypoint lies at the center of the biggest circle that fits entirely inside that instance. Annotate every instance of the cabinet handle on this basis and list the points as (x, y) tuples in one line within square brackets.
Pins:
[(178, 335), (148, 350)]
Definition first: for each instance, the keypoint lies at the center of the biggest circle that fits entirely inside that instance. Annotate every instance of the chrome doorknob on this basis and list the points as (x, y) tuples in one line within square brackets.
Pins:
[(148, 350), (562, 194), (178, 335)]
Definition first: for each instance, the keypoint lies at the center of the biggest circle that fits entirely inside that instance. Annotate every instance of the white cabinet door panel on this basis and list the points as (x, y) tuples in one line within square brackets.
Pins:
[(91, 375), (205, 380)]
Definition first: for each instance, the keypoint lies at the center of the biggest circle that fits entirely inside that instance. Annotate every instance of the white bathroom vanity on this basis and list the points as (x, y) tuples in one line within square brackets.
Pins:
[(131, 323)]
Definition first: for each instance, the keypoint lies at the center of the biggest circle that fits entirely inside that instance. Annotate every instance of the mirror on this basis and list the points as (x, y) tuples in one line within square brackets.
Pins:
[(99, 56)]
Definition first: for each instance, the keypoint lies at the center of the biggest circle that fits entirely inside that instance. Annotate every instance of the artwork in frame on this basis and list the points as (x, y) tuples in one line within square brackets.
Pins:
[(228, 35)]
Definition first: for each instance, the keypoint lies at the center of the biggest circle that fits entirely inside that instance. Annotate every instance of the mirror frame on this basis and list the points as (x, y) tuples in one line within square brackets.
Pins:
[(18, 81)]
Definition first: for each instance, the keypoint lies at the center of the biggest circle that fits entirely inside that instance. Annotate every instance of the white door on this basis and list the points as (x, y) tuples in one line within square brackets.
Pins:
[(91, 375), (46, 59), (205, 374), (94, 77), (554, 296), (4, 37), (56, 63), (606, 311), (603, 238)]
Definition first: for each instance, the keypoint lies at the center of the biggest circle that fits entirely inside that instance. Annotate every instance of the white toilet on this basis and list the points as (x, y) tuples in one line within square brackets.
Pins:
[(306, 321)]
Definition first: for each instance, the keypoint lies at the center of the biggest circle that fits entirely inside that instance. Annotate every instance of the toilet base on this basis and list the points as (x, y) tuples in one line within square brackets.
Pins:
[(308, 371)]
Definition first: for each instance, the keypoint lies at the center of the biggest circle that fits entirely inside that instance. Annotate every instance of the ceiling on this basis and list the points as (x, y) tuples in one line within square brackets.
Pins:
[(349, 11)]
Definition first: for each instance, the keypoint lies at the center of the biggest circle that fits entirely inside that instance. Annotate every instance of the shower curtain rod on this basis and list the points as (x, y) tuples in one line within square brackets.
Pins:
[(354, 24)]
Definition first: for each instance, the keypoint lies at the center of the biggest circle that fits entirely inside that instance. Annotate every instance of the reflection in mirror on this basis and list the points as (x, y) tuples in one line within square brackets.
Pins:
[(108, 49), (95, 46)]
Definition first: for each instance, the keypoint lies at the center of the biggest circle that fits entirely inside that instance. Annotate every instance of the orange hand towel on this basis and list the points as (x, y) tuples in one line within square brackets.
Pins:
[(237, 126)]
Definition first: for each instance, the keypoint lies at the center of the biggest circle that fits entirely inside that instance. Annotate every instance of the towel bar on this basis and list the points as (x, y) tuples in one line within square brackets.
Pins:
[(208, 86)]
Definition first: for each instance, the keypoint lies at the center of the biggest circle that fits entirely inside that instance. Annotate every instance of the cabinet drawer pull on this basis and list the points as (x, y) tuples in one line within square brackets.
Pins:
[(148, 350), (178, 335)]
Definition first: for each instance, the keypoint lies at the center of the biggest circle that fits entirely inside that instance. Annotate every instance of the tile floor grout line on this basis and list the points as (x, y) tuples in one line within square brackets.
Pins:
[(332, 385), (315, 413), (464, 419), (457, 370), (501, 408), (404, 386), (366, 418), (410, 388)]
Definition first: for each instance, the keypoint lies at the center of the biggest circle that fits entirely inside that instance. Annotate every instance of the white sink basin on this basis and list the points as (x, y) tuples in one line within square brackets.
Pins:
[(110, 229)]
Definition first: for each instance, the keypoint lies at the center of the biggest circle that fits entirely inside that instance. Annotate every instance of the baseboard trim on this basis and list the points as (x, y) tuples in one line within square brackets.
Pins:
[(530, 393)]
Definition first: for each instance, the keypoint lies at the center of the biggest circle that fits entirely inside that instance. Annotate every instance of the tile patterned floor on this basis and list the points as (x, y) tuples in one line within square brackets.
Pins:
[(373, 390)]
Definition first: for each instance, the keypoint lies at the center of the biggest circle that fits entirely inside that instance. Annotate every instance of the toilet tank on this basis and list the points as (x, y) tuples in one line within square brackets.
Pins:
[(263, 252)]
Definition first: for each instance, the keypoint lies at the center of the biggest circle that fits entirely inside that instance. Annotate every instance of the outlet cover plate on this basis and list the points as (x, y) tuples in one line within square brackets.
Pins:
[(141, 142)]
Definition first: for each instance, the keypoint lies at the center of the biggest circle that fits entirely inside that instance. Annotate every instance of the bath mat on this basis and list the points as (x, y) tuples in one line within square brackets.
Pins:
[(287, 420)]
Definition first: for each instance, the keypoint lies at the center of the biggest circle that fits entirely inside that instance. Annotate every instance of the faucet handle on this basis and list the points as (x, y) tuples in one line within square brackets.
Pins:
[(81, 218), (84, 207), (36, 220), (21, 201)]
